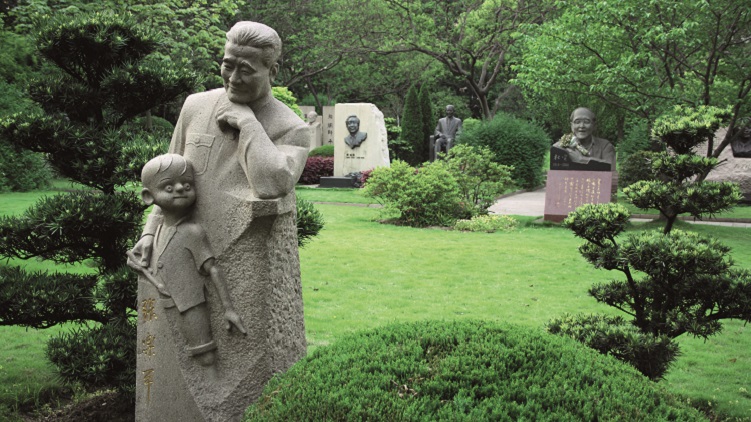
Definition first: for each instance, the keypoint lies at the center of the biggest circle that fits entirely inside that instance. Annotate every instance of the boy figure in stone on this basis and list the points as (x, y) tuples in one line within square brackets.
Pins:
[(583, 147), (446, 131), (355, 137), (182, 261)]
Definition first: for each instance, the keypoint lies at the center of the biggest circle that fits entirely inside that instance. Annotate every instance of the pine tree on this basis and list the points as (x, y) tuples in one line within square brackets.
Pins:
[(428, 120), (412, 129), (98, 77)]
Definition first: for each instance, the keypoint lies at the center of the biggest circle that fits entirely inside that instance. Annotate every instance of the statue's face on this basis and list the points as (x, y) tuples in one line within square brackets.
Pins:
[(173, 189), (582, 124), (449, 111), (353, 126), (246, 77)]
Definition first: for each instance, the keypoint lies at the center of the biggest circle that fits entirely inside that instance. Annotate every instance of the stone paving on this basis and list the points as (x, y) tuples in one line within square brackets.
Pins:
[(533, 204)]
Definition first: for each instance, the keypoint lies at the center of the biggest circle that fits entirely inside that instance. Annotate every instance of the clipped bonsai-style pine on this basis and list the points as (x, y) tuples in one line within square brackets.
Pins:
[(98, 77), (674, 282)]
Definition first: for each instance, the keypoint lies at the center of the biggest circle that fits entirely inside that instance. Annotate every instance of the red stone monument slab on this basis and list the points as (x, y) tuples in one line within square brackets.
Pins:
[(567, 189)]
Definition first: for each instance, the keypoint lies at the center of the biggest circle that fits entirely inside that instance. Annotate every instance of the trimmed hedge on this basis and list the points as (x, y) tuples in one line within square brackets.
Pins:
[(514, 142), (315, 168), (462, 371), (322, 151)]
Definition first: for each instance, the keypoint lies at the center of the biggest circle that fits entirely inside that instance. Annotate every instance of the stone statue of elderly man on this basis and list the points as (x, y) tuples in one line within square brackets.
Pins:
[(583, 147), (248, 151)]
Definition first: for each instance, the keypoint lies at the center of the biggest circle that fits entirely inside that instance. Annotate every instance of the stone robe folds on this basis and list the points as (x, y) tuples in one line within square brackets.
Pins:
[(255, 243)]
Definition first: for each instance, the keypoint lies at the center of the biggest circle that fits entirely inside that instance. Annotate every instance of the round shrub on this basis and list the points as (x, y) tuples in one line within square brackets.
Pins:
[(322, 151), (514, 142), (462, 371)]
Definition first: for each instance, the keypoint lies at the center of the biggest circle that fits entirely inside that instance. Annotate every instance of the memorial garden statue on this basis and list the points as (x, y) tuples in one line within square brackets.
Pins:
[(247, 151), (446, 131), (182, 260), (355, 137), (583, 147)]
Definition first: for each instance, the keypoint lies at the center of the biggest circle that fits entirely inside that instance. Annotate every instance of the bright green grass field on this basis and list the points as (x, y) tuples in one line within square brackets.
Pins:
[(359, 274)]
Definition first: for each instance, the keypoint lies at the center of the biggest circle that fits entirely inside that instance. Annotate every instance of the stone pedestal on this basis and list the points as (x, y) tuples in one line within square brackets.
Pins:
[(373, 152), (256, 249), (566, 190)]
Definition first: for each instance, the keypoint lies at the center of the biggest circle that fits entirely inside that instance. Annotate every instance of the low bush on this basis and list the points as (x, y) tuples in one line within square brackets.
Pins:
[(487, 223), (309, 221), (514, 142), (322, 151), (463, 184), (315, 168), (428, 196), (462, 371)]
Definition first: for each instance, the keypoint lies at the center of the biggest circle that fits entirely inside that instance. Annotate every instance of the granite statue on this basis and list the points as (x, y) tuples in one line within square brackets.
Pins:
[(581, 145), (182, 262), (446, 131), (355, 137), (247, 150)]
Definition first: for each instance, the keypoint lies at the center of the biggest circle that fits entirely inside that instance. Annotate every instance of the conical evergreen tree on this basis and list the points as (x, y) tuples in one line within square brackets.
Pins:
[(98, 77), (428, 120), (412, 129)]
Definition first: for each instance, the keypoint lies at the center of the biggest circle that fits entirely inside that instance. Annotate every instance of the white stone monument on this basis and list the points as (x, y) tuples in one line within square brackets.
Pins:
[(360, 139)]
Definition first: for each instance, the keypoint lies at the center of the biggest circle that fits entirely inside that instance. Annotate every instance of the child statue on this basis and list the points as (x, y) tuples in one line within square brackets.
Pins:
[(182, 261)]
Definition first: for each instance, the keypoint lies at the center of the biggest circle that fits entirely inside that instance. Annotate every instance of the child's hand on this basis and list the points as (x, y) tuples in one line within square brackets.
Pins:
[(234, 319)]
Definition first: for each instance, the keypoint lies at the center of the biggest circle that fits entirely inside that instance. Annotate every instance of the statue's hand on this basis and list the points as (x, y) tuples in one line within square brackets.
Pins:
[(233, 318), (143, 249), (233, 115)]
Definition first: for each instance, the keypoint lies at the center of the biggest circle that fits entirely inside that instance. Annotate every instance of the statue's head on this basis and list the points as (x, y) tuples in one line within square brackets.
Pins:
[(583, 123), (249, 64), (169, 183), (312, 117), (449, 111), (353, 124)]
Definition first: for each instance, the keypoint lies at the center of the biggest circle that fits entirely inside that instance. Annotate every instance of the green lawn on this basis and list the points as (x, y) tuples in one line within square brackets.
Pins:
[(360, 274)]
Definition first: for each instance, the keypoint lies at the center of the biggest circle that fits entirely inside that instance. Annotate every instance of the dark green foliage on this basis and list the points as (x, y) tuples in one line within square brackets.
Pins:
[(635, 140), (21, 170), (315, 168), (675, 282), (309, 221), (612, 335), (635, 168), (322, 151), (428, 118), (99, 358), (412, 128), (100, 77), (514, 142), (462, 371)]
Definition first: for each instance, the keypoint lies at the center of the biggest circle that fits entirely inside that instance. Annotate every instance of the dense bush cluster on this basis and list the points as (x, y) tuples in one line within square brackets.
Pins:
[(637, 167), (315, 168), (462, 371), (22, 171), (462, 185), (514, 142)]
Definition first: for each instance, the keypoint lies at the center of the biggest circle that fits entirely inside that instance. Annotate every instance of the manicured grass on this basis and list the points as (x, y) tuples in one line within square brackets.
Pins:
[(360, 274), (739, 211), (355, 196)]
